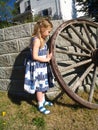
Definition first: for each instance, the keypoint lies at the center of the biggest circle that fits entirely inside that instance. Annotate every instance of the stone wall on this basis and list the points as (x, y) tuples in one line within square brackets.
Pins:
[(14, 43)]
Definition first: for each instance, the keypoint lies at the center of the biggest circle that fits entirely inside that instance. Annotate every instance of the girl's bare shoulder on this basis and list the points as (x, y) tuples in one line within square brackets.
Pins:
[(35, 39)]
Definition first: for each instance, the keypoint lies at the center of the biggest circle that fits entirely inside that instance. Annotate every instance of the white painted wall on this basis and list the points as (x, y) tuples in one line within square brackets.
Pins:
[(22, 6), (67, 9), (38, 5), (61, 9)]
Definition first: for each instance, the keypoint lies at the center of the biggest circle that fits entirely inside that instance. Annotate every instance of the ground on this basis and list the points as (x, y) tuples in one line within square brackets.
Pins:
[(22, 114)]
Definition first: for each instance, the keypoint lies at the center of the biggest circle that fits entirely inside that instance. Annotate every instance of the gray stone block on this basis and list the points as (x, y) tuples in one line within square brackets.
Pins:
[(8, 47), (18, 31), (4, 83), (16, 73), (15, 59), (23, 43), (1, 35)]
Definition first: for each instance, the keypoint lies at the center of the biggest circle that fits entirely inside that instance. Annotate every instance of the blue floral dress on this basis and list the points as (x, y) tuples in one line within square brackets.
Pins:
[(36, 76)]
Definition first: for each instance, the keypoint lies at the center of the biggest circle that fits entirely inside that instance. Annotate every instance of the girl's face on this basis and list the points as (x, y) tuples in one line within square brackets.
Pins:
[(45, 32)]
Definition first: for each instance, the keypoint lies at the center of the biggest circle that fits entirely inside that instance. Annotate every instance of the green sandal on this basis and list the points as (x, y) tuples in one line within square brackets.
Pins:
[(44, 110), (48, 103)]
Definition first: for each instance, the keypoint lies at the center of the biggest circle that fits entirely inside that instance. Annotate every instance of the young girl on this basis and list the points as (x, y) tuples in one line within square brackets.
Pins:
[(38, 63)]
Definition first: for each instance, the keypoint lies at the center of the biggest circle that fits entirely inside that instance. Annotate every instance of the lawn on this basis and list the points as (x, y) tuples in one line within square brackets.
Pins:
[(22, 114)]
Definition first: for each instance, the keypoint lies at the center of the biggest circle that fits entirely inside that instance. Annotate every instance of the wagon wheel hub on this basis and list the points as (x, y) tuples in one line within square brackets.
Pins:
[(95, 57)]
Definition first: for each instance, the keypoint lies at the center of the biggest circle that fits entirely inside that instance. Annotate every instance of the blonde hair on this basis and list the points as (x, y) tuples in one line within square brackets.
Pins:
[(45, 23)]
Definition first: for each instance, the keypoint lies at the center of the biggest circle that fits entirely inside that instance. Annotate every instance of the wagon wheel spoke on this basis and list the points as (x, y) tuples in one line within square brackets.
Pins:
[(97, 37), (75, 43), (73, 53), (92, 86), (89, 37), (80, 36), (80, 80), (76, 65)]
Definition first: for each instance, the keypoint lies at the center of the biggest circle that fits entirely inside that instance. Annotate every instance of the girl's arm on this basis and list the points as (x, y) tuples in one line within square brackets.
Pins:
[(36, 47)]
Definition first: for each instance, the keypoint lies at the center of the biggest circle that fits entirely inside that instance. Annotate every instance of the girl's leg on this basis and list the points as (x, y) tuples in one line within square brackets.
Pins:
[(40, 96), (45, 103)]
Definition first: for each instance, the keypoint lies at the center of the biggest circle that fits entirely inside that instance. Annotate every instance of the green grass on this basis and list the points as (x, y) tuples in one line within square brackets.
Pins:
[(39, 122), (21, 114)]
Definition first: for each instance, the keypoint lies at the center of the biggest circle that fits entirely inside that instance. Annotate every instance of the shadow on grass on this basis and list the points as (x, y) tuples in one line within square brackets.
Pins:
[(17, 99), (73, 106), (60, 101)]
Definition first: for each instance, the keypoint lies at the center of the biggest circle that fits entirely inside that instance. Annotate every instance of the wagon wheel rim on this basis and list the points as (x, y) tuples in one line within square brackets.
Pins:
[(86, 57)]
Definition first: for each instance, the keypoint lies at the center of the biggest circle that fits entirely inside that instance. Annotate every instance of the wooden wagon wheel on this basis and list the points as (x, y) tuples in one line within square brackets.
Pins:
[(74, 45)]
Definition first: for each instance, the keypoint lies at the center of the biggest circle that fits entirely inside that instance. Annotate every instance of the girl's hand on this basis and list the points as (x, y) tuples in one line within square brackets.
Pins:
[(49, 56)]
